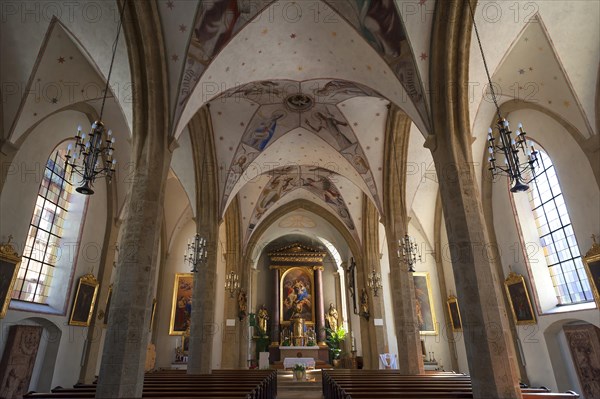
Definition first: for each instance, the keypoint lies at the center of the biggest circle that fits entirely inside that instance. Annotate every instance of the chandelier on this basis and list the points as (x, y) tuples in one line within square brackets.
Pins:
[(196, 253), (232, 283), (407, 251), (374, 282), (507, 147), (91, 156)]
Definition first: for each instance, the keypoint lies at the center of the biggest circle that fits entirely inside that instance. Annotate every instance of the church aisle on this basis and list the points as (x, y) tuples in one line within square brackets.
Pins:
[(287, 388)]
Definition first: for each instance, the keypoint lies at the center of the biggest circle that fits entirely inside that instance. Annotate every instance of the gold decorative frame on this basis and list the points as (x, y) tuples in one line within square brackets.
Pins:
[(429, 298), (152, 313), (519, 300), (454, 312), (591, 263), (184, 291), (83, 303), (10, 262), (107, 305), (308, 270)]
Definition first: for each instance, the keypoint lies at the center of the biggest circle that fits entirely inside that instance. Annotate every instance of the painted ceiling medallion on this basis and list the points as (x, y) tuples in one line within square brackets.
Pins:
[(299, 102)]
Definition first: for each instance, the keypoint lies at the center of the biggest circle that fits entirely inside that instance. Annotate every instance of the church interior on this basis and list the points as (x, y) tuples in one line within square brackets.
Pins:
[(194, 189)]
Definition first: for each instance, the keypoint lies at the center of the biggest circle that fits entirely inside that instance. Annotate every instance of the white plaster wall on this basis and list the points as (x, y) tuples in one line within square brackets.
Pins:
[(165, 343), (434, 343), (461, 351), (388, 305), (545, 351), (16, 206)]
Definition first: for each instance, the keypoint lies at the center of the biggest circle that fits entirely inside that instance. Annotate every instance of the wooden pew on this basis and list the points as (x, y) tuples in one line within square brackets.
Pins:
[(223, 384), (374, 384)]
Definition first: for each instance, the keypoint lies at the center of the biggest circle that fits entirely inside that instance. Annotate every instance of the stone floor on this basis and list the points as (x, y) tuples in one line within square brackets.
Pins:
[(288, 388)]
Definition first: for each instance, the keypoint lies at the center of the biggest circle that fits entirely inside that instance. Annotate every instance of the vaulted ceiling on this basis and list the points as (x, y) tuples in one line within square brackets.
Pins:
[(298, 91)]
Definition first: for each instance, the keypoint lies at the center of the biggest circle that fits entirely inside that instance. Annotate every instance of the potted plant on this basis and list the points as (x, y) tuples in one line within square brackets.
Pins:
[(299, 371), (334, 342)]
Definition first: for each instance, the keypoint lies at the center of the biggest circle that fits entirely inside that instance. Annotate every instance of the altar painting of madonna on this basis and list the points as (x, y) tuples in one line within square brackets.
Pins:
[(297, 295)]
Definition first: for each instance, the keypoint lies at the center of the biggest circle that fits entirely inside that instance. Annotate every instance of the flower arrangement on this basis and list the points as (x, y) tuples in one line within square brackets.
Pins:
[(334, 341), (299, 367), (286, 342), (311, 343)]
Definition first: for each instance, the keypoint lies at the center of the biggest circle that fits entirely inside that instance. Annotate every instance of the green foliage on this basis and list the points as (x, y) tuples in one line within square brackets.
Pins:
[(334, 341), (299, 367)]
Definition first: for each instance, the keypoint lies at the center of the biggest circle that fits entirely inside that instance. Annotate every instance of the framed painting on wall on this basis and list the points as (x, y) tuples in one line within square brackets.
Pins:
[(85, 298), (424, 304), (454, 313), (181, 309), (591, 262), (297, 295), (518, 298), (9, 268)]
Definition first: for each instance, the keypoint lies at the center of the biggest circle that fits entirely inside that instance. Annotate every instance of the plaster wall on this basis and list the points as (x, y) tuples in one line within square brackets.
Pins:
[(546, 353), (16, 206)]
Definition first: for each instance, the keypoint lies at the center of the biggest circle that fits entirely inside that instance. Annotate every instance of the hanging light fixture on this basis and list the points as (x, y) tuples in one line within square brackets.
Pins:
[(91, 156), (196, 253), (232, 283), (407, 252), (374, 282), (521, 173)]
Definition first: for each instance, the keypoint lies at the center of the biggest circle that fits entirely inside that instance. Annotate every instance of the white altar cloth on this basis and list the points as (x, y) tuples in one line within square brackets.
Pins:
[(290, 362)]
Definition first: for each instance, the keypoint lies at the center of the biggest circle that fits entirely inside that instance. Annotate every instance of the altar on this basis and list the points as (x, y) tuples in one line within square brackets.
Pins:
[(307, 362), (299, 351)]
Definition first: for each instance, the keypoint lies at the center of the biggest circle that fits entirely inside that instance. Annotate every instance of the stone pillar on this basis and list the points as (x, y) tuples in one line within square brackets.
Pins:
[(410, 360), (320, 308), (124, 352), (207, 214), (276, 301), (485, 325)]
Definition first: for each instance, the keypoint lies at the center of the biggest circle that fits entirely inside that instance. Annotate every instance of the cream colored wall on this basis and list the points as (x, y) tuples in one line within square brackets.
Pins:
[(165, 343), (16, 206), (438, 344), (458, 337), (547, 358)]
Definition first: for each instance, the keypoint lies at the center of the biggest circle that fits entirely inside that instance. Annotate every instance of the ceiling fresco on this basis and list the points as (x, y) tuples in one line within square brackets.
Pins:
[(284, 105), (318, 181), (380, 24)]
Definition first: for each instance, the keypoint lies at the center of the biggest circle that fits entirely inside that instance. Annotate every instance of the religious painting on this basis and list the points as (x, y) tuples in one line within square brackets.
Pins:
[(85, 298), (454, 313), (591, 262), (9, 268), (424, 304), (519, 299), (16, 366), (297, 295), (584, 345), (181, 310), (107, 306)]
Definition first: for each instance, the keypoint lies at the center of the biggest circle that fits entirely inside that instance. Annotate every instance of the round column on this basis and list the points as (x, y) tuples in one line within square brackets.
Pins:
[(275, 318), (320, 307)]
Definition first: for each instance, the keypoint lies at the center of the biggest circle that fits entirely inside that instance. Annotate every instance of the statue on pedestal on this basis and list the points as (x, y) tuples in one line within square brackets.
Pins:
[(332, 317), (263, 318)]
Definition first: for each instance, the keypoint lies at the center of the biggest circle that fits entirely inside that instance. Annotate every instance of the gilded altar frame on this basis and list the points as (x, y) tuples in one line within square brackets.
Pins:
[(182, 289), (288, 274)]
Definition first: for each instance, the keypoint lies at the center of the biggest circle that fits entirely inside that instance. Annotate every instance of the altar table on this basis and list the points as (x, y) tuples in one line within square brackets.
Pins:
[(290, 362), (299, 351)]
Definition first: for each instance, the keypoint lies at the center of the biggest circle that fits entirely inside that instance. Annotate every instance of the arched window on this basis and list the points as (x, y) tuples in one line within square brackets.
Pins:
[(42, 252), (557, 237)]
